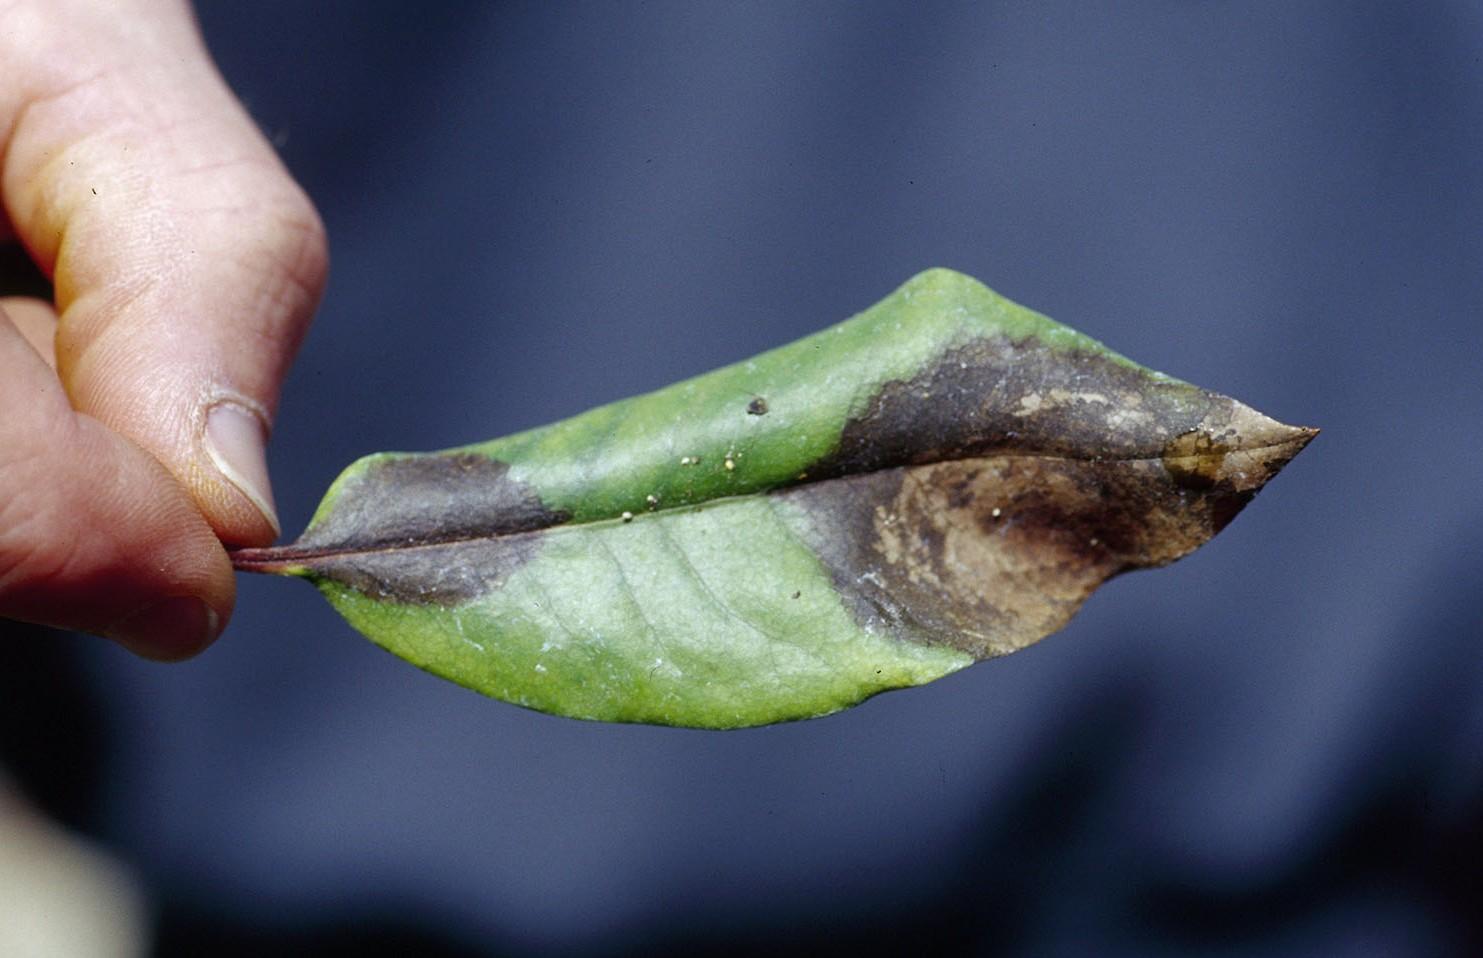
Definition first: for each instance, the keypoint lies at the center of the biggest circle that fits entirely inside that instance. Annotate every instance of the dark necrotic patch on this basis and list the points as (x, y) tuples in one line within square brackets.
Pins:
[(1194, 459), (990, 554), (844, 534), (448, 574), (420, 500), (425, 529), (996, 395)]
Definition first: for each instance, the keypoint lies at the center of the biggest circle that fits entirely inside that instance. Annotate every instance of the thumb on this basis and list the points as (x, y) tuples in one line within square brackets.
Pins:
[(186, 262)]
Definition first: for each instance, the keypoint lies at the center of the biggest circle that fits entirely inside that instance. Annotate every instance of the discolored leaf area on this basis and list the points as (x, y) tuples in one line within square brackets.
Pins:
[(943, 478)]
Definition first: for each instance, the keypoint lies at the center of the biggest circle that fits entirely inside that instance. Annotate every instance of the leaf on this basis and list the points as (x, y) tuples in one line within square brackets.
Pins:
[(944, 478)]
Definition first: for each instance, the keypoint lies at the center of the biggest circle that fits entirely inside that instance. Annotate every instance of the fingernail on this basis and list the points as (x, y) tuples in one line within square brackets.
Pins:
[(173, 629), (236, 439)]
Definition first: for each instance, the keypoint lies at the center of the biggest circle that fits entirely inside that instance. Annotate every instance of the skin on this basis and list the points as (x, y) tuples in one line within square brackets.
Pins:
[(186, 265)]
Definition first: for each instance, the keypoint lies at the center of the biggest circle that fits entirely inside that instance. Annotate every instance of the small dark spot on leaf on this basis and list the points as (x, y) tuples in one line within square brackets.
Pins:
[(797, 594), (757, 407)]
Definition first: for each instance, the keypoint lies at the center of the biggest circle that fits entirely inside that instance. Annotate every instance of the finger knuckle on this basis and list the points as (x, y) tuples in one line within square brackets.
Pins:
[(288, 240)]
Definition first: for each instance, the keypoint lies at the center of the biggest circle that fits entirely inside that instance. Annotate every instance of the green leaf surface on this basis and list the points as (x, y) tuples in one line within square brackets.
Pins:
[(942, 478)]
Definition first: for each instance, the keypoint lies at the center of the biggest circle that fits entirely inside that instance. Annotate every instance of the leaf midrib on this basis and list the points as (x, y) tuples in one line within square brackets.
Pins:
[(265, 559)]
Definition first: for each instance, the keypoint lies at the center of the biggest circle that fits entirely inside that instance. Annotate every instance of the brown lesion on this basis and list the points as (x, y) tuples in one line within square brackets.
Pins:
[(446, 574), (989, 554), (1000, 395), (979, 503), (424, 528), (1194, 459), (424, 499)]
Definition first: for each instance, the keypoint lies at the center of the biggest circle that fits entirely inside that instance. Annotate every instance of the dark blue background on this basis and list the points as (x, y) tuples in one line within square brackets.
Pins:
[(1272, 747)]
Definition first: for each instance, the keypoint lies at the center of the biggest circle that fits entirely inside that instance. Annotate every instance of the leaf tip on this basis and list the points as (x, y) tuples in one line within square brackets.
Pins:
[(1258, 438)]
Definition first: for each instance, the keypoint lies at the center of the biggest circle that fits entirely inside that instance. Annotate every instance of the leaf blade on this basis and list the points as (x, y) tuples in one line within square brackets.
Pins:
[(946, 477)]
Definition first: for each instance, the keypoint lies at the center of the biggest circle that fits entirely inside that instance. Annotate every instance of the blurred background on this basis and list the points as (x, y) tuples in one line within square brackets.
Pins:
[(1273, 747)]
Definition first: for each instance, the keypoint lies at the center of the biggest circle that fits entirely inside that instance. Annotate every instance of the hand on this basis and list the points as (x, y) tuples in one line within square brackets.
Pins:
[(186, 264)]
